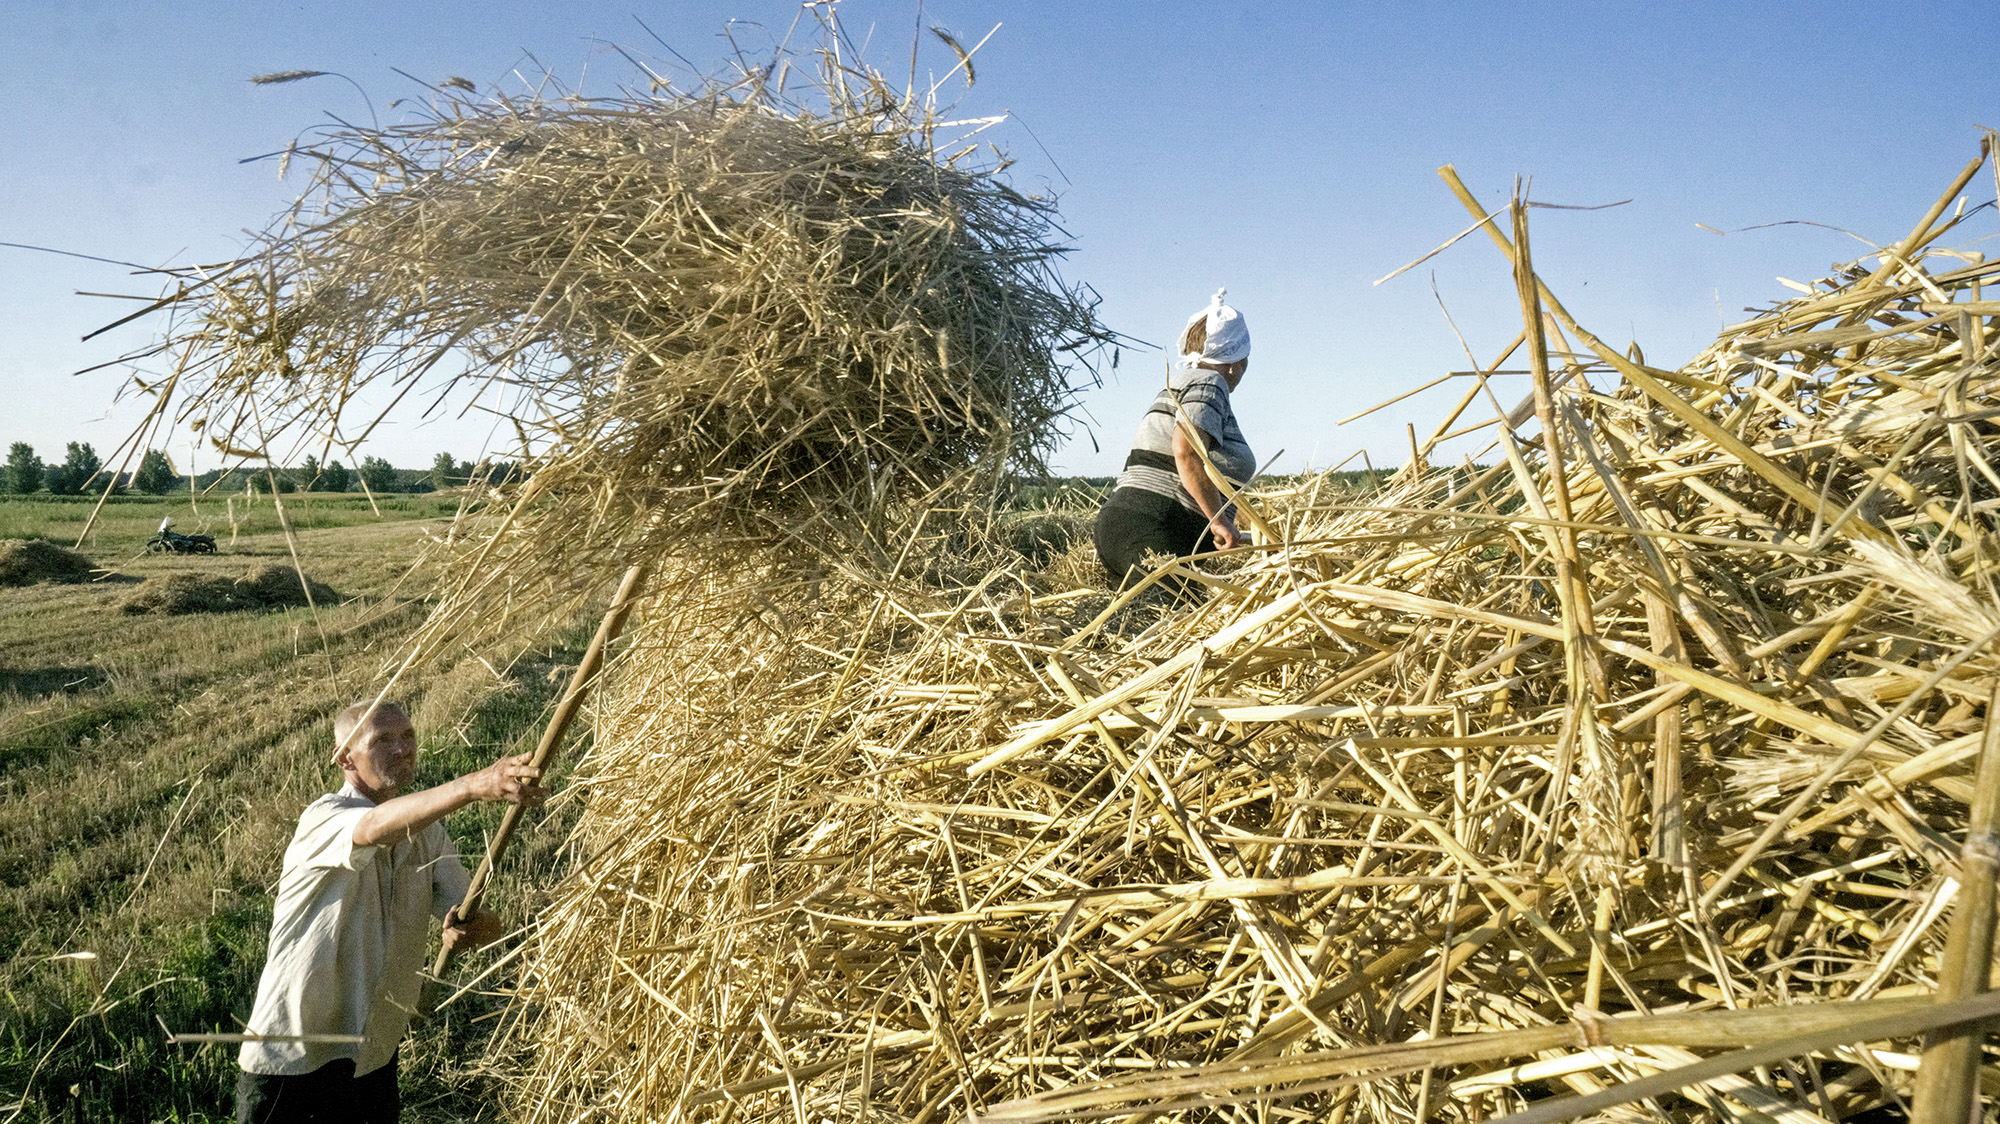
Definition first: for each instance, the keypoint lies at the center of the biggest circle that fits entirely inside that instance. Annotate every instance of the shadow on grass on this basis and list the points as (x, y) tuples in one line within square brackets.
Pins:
[(40, 682)]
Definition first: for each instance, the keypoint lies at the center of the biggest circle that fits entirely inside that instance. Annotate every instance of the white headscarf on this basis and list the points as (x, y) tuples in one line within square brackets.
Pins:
[(1228, 336)]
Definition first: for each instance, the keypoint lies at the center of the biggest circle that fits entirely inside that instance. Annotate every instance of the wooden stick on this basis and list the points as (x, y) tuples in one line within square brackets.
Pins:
[(1948, 1079), (566, 712)]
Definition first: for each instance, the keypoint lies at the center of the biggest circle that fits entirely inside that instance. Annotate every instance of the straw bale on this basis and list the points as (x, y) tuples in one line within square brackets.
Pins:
[(1658, 735), (31, 561)]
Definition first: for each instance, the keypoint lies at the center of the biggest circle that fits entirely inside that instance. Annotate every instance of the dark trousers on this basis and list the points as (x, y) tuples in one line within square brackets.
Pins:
[(1134, 523), (330, 1093)]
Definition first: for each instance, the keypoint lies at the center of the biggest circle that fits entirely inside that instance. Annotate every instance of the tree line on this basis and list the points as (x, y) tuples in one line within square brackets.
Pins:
[(82, 471)]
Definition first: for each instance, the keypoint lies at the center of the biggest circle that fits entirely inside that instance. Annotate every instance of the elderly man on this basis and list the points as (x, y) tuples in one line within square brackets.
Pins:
[(366, 870)]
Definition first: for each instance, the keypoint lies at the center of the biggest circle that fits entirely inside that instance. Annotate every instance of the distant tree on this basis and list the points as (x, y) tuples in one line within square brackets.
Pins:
[(335, 477), (307, 474), (379, 475), (56, 478), (156, 474), (79, 465), (24, 469), (496, 473), (445, 472), (284, 482)]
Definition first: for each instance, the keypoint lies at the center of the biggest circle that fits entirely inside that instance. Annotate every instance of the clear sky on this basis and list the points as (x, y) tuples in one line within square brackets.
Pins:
[(1285, 150)]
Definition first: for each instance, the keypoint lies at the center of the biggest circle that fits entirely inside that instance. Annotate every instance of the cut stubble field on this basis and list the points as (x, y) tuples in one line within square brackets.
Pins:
[(151, 770)]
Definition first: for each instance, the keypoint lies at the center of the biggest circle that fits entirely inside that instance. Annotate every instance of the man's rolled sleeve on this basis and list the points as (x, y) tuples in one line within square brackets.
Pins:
[(325, 837)]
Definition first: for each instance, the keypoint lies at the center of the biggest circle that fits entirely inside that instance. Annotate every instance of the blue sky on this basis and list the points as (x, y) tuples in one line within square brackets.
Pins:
[(1284, 150)]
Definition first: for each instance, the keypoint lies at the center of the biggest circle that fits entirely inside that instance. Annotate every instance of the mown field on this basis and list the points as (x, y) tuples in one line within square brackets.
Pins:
[(152, 768)]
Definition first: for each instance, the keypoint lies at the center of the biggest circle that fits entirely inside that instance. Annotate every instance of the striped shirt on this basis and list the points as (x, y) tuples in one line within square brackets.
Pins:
[(1204, 395)]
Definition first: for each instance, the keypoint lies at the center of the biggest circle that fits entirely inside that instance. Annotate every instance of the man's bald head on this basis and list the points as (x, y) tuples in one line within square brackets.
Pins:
[(345, 723)]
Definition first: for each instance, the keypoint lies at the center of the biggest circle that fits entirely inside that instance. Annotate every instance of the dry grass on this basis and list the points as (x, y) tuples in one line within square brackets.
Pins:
[(1659, 736)]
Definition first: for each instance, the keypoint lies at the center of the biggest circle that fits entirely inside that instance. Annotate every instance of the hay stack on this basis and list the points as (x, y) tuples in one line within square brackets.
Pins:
[(731, 315), (33, 561), (1671, 715), (269, 587)]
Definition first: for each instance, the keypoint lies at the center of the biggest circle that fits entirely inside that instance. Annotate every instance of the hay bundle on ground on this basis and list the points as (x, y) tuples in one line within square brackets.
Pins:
[(282, 587), (180, 594), (31, 561), (721, 314), (270, 587), (1657, 737)]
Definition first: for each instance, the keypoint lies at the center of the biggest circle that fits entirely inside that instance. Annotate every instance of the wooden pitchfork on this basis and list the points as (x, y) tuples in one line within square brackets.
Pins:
[(545, 753)]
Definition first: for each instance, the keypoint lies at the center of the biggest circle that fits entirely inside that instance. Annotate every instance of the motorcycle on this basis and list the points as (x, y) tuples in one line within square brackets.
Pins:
[(173, 542)]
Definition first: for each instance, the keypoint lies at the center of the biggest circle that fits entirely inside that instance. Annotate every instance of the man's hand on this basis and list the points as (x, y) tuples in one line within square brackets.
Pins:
[(509, 780), (1223, 528), (477, 931)]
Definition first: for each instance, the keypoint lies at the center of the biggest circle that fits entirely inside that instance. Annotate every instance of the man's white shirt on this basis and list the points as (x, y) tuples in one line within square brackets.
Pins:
[(348, 935)]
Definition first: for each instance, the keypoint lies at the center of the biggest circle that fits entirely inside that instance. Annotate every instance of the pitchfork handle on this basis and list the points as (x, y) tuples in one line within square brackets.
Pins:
[(572, 702)]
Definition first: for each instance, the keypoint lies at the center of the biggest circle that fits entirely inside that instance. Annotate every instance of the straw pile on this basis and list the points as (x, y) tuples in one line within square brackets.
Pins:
[(1657, 736), (33, 561), (270, 587), (721, 315)]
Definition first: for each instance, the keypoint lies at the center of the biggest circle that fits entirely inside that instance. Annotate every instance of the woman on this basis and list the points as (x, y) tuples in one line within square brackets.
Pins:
[(1165, 502)]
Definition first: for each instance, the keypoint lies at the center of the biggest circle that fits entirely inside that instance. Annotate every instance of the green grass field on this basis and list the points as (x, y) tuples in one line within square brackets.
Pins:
[(151, 770), (123, 523)]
